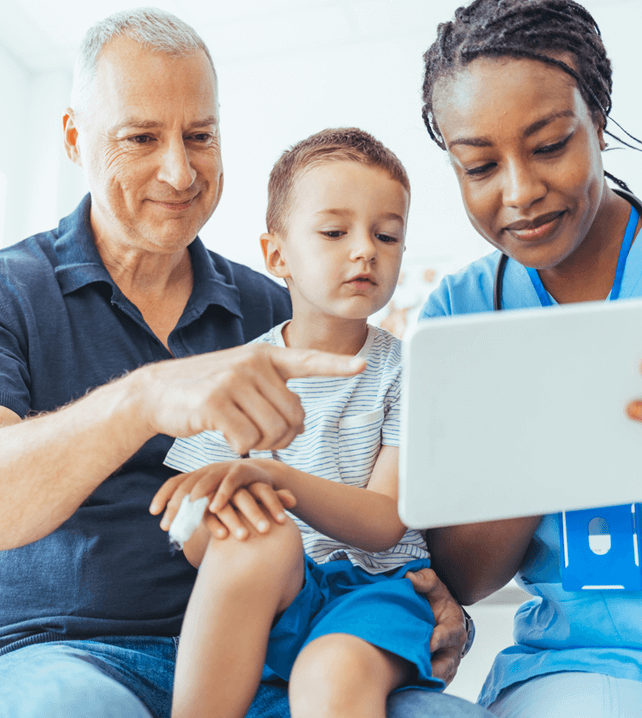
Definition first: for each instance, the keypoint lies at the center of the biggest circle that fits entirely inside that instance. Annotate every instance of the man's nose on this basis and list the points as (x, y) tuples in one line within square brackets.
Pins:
[(175, 167)]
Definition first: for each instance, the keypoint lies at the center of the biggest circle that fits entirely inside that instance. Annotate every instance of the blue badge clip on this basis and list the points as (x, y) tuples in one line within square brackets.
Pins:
[(601, 548)]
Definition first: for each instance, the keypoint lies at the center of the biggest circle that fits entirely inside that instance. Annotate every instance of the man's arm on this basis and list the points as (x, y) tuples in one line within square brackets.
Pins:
[(50, 464)]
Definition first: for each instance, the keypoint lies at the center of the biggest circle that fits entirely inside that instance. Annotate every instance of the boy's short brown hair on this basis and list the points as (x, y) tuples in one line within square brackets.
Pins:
[(343, 143)]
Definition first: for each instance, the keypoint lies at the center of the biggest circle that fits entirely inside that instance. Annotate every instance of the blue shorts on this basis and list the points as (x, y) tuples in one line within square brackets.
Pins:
[(382, 609)]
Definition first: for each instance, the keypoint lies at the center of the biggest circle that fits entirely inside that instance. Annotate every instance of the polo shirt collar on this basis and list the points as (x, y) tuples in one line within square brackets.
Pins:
[(80, 264)]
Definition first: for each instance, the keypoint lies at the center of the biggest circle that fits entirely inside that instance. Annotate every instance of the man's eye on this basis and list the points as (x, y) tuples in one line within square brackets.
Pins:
[(140, 139), (201, 137)]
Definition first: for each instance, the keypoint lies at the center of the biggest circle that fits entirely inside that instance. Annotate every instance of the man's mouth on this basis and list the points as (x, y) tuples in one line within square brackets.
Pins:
[(175, 205)]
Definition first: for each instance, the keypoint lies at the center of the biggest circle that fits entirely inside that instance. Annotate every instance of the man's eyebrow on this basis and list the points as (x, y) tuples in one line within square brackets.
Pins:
[(528, 132), (139, 124)]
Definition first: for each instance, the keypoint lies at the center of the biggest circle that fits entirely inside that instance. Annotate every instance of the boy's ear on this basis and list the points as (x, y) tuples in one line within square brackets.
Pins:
[(273, 256)]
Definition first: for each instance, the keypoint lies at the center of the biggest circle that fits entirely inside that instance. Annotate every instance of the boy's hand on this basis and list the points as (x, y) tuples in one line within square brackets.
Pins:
[(252, 495)]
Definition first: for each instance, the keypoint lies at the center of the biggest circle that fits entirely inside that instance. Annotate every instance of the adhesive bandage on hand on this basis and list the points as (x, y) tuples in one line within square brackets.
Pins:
[(186, 521)]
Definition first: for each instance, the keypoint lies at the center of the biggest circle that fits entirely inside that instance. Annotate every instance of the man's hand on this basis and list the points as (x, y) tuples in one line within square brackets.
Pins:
[(449, 634), (241, 392)]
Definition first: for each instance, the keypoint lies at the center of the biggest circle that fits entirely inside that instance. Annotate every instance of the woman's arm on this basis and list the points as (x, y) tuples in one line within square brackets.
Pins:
[(475, 560)]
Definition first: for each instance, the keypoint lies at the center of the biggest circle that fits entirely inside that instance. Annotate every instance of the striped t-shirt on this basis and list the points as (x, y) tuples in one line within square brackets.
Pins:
[(347, 420)]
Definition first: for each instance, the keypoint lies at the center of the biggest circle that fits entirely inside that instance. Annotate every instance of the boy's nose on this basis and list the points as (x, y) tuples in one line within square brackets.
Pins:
[(364, 247)]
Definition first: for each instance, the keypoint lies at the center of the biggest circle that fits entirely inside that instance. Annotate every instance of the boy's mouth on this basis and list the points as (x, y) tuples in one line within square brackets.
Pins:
[(362, 279)]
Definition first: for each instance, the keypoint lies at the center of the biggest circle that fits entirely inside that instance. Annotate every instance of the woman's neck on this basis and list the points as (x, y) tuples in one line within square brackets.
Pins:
[(588, 273)]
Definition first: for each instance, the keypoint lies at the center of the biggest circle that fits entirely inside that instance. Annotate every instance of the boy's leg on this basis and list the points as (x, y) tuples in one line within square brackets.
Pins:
[(241, 586), (341, 676)]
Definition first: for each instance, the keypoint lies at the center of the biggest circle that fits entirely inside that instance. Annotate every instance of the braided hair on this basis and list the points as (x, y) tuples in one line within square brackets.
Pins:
[(533, 29)]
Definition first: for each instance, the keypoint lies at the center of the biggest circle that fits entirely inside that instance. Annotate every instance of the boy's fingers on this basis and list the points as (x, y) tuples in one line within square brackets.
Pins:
[(232, 522), (208, 478), (233, 480), (287, 498), (163, 494), (251, 511), (273, 501), (214, 526)]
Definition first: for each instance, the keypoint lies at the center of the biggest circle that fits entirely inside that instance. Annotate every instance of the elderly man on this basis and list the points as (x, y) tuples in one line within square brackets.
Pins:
[(91, 598)]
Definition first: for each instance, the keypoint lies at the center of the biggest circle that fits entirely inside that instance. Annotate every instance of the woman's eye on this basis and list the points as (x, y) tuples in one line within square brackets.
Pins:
[(481, 170), (550, 149)]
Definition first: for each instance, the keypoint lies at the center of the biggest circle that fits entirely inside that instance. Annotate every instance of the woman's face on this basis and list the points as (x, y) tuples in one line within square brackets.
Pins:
[(527, 154)]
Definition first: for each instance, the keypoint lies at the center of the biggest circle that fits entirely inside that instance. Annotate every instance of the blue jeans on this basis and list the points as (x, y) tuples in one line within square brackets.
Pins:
[(568, 694), (132, 677)]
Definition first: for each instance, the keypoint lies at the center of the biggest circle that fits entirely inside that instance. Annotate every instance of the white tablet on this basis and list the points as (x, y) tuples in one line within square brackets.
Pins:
[(521, 412)]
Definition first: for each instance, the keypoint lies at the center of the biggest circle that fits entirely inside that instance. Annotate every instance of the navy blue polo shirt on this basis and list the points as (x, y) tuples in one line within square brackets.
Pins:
[(65, 327)]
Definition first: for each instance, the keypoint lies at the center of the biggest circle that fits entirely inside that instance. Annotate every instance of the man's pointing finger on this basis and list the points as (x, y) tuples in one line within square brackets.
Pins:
[(292, 363)]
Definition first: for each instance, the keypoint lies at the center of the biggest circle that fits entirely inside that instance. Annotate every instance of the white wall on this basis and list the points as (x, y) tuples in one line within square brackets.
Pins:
[(14, 86), (273, 98)]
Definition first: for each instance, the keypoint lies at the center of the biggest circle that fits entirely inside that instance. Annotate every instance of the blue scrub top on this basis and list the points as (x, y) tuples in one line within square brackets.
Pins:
[(557, 630), (65, 328)]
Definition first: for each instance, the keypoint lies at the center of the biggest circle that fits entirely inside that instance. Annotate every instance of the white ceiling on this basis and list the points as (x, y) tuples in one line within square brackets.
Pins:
[(44, 34)]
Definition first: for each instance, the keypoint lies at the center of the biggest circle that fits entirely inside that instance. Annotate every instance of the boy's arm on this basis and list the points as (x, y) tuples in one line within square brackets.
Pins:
[(365, 518)]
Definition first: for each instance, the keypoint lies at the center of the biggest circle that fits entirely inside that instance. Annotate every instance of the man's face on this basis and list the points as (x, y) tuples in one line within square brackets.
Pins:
[(150, 147)]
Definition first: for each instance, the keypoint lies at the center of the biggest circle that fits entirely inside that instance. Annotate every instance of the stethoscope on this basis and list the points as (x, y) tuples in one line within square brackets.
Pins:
[(501, 265)]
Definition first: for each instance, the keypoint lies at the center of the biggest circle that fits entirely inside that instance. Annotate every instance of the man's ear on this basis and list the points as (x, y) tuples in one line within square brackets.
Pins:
[(70, 132), (272, 254)]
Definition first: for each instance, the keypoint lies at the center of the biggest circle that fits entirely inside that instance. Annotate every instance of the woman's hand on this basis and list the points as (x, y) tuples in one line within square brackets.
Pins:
[(449, 635), (236, 488)]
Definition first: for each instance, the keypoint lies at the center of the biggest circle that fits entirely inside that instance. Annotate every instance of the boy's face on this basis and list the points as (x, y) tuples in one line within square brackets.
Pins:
[(344, 241)]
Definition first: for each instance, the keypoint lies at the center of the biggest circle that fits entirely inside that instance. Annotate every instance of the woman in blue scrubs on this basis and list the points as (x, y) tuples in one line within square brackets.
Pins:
[(518, 92)]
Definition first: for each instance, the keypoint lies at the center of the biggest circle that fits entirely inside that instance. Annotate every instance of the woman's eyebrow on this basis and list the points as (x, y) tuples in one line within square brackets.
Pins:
[(536, 126), (530, 130)]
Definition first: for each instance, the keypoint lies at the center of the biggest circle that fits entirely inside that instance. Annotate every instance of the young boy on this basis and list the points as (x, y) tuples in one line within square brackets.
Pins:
[(339, 622)]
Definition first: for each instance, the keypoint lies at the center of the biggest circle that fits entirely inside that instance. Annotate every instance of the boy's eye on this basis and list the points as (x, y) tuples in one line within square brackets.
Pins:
[(387, 238), (333, 233)]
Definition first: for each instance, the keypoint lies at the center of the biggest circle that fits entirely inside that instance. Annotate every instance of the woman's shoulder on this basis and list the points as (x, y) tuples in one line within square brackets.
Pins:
[(467, 291)]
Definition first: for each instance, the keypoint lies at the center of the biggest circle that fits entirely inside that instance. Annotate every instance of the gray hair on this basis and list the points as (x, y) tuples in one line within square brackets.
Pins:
[(155, 29)]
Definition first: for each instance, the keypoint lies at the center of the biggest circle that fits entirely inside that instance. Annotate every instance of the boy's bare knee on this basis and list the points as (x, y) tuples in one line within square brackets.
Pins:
[(339, 674), (272, 556)]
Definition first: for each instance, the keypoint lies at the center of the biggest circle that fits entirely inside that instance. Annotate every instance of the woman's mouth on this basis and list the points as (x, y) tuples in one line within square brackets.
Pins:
[(537, 228)]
